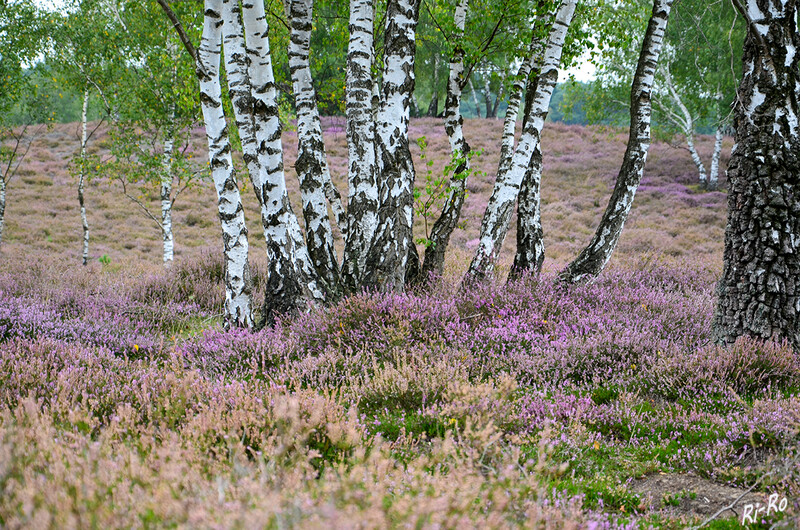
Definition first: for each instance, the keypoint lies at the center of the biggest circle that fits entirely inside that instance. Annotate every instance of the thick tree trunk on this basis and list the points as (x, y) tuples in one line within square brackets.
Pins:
[(362, 203), (474, 97), (494, 225), (166, 201), (759, 292), (433, 108), (386, 263), (530, 236), (713, 176), (238, 299), (82, 178), (312, 163), (591, 261), (292, 283), (451, 211)]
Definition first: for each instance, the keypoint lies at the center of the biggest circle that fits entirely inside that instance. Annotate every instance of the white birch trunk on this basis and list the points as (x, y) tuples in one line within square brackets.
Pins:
[(238, 297), (459, 148), (713, 176), (166, 201), (494, 225), (82, 178), (312, 164), (389, 252), (2, 206), (687, 124), (362, 202), (292, 284), (593, 259)]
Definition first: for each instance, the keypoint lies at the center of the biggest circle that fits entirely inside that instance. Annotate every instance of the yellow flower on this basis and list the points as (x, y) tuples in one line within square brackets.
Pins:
[(135, 347), (596, 445)]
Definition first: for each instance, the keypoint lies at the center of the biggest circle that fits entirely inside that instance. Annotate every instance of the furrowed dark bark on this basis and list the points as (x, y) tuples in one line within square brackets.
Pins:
[(759, 292), (593, 259)]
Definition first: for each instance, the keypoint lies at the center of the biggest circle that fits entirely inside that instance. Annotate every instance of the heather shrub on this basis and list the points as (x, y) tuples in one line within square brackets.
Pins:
[(411, 380), (748, 368)]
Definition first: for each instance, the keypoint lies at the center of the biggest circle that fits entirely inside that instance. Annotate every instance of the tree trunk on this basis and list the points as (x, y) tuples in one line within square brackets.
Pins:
[(292, 283), (474, 98), (698, 162), (530, 236), (82, 178), (2, 206), (494, 225), (487, 96), (166, 201), (362, 202), (390, 248), (759, 292), (686, 123), (713, 176), (433, 108), (238, 299), (451, 211), (591, 261), (312, 163)]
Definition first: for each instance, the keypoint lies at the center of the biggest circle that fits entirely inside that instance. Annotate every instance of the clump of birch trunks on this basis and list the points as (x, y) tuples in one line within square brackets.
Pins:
[(124, 404)]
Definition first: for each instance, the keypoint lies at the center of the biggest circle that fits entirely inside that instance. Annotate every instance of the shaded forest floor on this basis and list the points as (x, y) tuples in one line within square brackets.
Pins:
[(123, 403)]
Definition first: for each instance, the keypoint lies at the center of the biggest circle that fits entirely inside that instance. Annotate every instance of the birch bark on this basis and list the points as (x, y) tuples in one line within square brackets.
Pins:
[(166, 200), (363, 202), (593, 259), (238, 288), (759, 292), (292, 283), (312, 164), (494, 225), (459, 148), (713, 176), (388, 255), (2, 206), (82, 178)]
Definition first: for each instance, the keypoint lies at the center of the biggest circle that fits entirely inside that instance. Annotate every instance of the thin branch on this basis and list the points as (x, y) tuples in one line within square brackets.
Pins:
[(176, 23), (141, 205)]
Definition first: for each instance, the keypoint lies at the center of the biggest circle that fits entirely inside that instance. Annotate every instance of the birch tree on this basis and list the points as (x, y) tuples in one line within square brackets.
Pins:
[(316, 186), (238, 284), (85, 61), (591, 261), (494, 225), (385, 266), (447, 221), (292, 282), (759, 292), (362, 202)]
